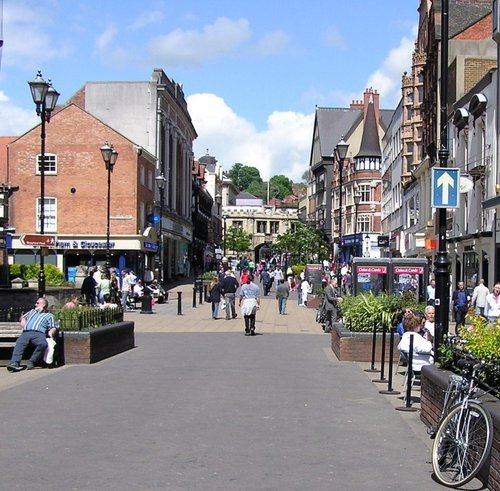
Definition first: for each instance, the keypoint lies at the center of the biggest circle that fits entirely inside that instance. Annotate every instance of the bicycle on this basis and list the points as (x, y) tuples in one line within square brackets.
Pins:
[(464, 433)]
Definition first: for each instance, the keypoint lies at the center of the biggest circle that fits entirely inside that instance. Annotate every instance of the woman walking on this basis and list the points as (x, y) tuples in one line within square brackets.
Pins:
[(215, 294), (250, 297)]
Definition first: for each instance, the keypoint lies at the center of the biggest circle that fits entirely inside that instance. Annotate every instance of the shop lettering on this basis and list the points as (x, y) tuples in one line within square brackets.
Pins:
[(83, 244)]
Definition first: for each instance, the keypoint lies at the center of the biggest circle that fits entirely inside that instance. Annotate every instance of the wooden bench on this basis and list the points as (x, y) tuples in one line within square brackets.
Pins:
[(8, 337)]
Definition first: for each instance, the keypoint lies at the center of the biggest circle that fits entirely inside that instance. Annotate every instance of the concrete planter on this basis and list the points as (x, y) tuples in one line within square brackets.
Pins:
[(433, 387), (357, 346), (82, 347)]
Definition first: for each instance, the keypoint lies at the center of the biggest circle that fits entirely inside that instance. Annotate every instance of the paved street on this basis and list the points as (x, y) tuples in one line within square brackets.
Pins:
[(199, 406)]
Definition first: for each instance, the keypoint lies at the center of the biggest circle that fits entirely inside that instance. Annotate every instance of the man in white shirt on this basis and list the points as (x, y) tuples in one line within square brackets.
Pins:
[(479, 297), (492, 305)]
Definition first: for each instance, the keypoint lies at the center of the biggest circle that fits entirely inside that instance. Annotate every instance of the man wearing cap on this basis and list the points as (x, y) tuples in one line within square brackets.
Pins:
[(229, 285)]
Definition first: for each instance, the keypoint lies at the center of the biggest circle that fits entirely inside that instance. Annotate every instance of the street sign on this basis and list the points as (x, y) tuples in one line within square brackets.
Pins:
[(38, 240), (445, 187)]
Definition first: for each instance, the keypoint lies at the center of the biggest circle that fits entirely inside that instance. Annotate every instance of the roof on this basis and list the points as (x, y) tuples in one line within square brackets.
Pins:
[(4, 141), (370, 143), (461, 15), (209, 161), (332, 123)]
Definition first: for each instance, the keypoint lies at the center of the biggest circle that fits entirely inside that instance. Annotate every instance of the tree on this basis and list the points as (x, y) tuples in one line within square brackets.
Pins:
[(243, 175), (280, 187), (237, 240), (305, 177), (258, 189), (303, 242)]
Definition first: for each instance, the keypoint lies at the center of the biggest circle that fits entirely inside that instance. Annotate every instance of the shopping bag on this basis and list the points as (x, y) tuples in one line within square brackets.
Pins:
[(48, 357), (223, 304)]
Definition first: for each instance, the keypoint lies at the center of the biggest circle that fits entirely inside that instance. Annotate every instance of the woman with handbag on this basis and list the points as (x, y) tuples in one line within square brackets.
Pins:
[(215, 296)]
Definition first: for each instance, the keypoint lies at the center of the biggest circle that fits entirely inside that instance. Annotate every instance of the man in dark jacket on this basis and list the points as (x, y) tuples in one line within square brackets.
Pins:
[(265, 279), (331, 302), (229, 285), (88, 288)]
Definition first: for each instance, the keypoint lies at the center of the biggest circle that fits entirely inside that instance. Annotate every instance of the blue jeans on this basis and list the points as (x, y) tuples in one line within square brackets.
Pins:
[(299, 295), (215, 309), (37, 339), (282, 305)]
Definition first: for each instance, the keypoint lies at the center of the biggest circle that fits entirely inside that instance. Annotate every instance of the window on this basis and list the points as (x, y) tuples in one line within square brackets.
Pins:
[(365, 192), (50, 215), (363, 223), (237, 224), (50, 164), (275, 227), (261, 227), (142, 176)]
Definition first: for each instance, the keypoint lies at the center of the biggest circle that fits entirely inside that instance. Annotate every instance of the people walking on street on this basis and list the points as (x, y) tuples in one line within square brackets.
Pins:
[(492, 304), (37, 324), (460, 304), (265, 279), (215, 296), (126, 289), (282, 292), (229, 285), (250, 298), (278, 276), (479, 295), (306, 288), (298, 282)]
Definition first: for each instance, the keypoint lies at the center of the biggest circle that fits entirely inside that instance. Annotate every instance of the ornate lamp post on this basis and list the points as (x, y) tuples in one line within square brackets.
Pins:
[(357, 200), (45, 98), (341, 153), (161, 180), (109, 155)]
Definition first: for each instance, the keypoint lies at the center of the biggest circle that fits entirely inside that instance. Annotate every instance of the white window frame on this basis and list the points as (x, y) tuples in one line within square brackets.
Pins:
[(50, 219), (50, 164)]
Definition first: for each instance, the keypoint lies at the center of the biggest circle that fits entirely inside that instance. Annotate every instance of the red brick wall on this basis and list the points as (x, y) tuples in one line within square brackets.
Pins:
[(358, 346), (76, 137)]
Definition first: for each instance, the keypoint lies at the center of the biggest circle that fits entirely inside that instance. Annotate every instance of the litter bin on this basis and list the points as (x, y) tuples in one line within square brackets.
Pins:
[(146, 305)]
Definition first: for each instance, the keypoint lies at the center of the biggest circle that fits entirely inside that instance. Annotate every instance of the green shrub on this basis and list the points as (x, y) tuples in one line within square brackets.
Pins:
[(298, 268), (53, 275), (482, 339), (209, 275), (85, 318), (361, 311)]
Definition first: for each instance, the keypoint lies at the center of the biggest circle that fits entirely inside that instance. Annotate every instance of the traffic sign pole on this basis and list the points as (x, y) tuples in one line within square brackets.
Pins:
[(442, 263)]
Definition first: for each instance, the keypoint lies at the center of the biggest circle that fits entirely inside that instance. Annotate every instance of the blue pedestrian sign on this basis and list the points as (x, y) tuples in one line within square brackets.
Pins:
[(445, 187)]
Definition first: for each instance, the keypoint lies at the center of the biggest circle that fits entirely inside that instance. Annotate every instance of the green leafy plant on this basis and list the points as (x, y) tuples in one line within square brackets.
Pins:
[(209, 275), (53, 275), (482, 339), (362, 311), (84, 318)]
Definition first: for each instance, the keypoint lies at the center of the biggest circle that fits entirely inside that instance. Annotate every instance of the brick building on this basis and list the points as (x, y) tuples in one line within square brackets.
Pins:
[(76, 194)]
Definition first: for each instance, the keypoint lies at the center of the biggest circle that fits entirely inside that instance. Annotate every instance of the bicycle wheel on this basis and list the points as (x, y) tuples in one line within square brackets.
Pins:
[(462, 444)]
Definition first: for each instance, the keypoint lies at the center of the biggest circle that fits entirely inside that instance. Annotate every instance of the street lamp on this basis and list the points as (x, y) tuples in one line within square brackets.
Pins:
[(109, 155), (161, 180), (357, 200), (224, 218), (45, 98), (340, 152)]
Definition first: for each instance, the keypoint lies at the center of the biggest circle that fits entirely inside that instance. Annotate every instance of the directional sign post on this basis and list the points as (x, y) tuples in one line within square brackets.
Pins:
[(38, 240), (445, 187)]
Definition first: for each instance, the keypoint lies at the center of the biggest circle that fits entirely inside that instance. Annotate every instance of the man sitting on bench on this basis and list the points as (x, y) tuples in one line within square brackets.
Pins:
[(37, 324)]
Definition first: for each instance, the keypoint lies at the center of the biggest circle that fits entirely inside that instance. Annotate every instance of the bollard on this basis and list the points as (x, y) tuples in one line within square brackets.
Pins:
[(409, 376), (207, 299), (382, 378), (200, 300), (374, 343), (390, 390), (194, 296), (146, 303), (179, 303)]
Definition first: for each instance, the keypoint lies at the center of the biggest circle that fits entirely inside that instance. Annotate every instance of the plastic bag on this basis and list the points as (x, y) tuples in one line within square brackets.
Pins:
[(223, 304), (48, 357)]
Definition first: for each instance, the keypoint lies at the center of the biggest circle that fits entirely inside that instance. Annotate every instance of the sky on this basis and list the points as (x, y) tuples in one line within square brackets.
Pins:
[(252, 71)]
